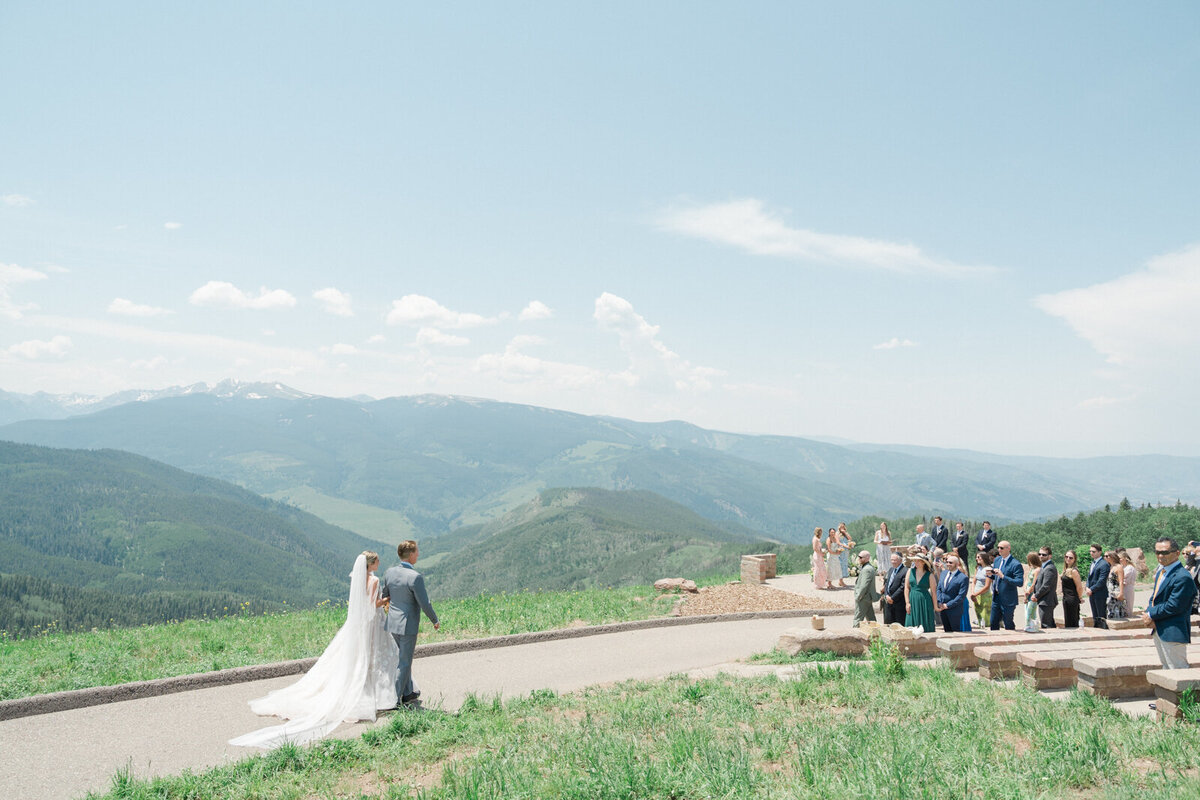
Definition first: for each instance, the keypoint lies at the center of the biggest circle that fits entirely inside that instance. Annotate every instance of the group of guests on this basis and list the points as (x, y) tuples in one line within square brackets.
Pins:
[(933, 583)]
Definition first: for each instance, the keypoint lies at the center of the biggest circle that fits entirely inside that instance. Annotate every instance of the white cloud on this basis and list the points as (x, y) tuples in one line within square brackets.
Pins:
[(1143, 317), (427, 336), (172, 226), (335, 302), (514, 366), (1101, 402), (378, 338), (10, 275), (36, 348), (225, 295), (893, 343), (16, 200), (340, 349), (652, 364), (534, 311), (149, 364), (416, 309), (746, 224), (129, 308)]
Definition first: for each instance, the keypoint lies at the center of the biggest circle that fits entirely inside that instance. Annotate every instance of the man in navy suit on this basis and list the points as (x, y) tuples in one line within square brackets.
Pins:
[(894, 609), (952, 589), (1006, 574), (1170, 606), (1097, 586), (985, 540), (941, 534)]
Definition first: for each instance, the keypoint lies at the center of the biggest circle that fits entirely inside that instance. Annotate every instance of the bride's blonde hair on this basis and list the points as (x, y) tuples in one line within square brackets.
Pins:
[(371, 556)]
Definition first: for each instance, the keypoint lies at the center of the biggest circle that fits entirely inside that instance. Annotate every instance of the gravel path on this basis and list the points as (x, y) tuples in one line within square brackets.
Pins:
[(734, 597)]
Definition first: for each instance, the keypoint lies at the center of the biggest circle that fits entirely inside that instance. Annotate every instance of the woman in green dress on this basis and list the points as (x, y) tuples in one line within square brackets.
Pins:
[(920, 592)]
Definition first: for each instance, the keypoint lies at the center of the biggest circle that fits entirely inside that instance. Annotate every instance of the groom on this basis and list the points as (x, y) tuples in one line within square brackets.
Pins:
[(404, 588)]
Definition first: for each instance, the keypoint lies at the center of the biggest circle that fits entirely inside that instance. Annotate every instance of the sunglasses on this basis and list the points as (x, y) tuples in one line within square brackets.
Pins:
[(1164, 552)]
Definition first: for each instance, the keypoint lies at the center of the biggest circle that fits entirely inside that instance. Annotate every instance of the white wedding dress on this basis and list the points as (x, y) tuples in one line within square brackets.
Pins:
[(353, 678)]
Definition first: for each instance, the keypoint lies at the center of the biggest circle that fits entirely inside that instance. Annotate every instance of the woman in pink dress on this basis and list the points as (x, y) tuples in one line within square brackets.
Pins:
[(820, 576)]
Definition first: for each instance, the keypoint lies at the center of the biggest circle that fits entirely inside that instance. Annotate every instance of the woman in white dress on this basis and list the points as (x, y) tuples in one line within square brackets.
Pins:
[(353, 678), (883, 546)]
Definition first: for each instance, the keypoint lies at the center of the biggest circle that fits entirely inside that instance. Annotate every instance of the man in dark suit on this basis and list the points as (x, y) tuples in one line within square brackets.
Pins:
[(894, 609), (959, 541), (1097, 586), (1045, 588), (952, 595), (985, 540), (941, 534), (404, 588), (1170, 606), (1006, 574)]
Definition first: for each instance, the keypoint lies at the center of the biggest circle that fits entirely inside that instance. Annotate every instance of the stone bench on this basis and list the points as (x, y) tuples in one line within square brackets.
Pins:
[(959, 648), (911, 645), (1055, 669), (1168, 685), (999, 661), (1121, 676)]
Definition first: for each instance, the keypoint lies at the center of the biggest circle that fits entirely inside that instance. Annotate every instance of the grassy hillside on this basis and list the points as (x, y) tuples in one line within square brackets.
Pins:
[(580, 538), (93, 538)]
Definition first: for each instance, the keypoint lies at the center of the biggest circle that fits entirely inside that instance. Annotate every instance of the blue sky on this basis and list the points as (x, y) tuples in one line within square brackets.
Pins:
[(943, 224)]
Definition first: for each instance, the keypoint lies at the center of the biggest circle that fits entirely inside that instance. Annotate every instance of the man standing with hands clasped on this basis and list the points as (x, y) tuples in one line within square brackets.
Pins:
[(1045, 587), (865, 593), (1006, 574), (1170, 606), (404, 588)]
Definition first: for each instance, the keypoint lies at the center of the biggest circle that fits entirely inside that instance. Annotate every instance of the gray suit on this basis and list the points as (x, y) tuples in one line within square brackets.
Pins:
[(865, 594), (1045, 592), (405, 589)]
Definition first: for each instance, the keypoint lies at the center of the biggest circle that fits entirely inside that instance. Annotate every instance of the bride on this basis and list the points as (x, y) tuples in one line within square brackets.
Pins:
[(353, 678)]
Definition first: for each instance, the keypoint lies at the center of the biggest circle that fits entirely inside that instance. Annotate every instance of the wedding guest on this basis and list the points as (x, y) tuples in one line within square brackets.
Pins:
[(985, 540), (883, 545), (865, 593), (833, 560), (924, 539), (1115, 605), (959, 541), (1130, 573), (1045, 587), (847, 546), (893, 603), (981, 592), (938, 557), (1192, 564), (1007, 575), (1170, 605), (920, 595), (1035, 567), (952, 594), (1072, 590), (1097, 586), (965, 617), (820, 575), (940, 534)]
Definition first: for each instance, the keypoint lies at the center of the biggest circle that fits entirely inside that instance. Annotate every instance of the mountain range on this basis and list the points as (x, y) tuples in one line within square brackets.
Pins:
[(428, 465)]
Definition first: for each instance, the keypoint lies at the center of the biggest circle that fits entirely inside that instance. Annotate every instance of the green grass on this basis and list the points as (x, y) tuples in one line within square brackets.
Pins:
[(834, 734), (57, 661)]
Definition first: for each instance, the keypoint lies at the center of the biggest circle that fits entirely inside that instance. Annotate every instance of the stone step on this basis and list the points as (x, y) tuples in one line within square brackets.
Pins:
[(959, 648), (1053, 669), (999, 662), (1168, 685), (1121, 676)]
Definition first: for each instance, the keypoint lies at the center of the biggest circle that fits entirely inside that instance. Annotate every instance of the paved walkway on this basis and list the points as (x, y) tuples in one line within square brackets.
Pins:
[(63, 755)]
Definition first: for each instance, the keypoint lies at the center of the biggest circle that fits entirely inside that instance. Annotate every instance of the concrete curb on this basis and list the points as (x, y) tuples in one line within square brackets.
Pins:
[(100, 695)]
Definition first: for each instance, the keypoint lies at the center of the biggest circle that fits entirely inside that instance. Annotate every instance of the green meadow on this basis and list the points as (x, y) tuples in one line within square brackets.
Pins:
[(55, 661), (874, 730)]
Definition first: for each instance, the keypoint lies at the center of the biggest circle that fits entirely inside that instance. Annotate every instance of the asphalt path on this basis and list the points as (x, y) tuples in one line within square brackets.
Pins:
[(64, 755)]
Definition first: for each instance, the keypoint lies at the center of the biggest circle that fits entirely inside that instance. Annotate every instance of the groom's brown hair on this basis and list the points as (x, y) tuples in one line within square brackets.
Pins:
[(406, 548)]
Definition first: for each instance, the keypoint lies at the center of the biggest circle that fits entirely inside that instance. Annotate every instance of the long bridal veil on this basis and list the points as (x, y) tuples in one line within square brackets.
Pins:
[(351, 680)]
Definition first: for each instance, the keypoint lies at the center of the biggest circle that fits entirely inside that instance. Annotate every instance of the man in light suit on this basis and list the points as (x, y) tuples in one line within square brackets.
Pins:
[(865, 593), (1045, 588), (404, 588), (1097, 586), (952, 595), (1007, 574), (1170, 606), (894, 609)]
